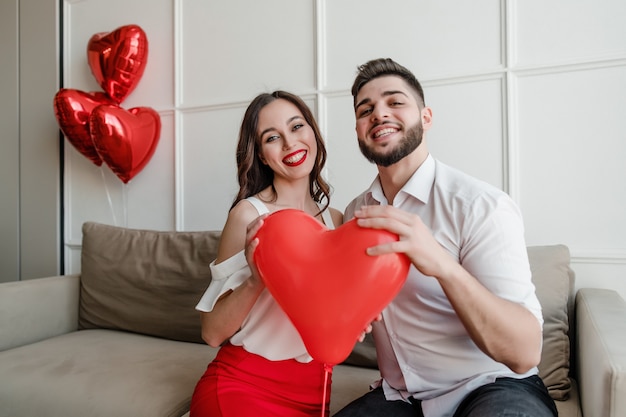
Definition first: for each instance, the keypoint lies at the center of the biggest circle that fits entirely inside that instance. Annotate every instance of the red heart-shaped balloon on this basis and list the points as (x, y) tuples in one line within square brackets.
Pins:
[(72, 109), (118, 59), (324, 280), (125, 139)]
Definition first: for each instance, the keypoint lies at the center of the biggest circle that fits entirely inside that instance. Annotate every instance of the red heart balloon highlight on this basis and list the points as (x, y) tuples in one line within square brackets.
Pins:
[(324, 280), (118, 59), (125, 139), (72, 109)]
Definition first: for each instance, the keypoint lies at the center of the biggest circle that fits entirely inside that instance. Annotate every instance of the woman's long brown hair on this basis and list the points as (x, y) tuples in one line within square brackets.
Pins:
[(253, 175)]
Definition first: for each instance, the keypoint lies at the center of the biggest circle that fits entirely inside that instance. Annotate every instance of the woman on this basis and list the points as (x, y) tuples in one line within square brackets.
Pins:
[(263, 368)]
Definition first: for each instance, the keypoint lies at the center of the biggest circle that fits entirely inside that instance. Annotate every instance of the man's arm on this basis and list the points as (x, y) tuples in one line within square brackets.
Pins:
[(506, 331)]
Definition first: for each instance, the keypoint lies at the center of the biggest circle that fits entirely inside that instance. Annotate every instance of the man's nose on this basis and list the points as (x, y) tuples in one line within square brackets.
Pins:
[(379, 113)]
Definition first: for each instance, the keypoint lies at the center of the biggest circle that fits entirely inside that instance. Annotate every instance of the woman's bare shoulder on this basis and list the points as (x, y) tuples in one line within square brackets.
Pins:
[(233, 238)]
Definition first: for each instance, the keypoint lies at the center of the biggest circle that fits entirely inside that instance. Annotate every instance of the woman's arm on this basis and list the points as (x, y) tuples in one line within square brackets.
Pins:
[(230, 310)]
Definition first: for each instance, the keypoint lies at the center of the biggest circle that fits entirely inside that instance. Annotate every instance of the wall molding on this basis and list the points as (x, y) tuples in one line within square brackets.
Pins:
[(570, 66), (598, 256)]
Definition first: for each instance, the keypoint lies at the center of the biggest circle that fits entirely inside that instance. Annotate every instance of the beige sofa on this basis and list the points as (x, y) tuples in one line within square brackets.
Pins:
[(122, 338)]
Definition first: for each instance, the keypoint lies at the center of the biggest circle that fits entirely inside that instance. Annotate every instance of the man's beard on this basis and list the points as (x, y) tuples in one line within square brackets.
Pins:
[(407, 144)]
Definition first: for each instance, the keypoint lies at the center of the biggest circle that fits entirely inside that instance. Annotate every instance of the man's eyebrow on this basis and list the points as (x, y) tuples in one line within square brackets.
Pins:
[(385, 94), (362, 102)]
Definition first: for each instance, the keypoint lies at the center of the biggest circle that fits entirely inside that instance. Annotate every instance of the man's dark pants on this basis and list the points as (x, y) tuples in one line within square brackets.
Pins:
[(505, 397)]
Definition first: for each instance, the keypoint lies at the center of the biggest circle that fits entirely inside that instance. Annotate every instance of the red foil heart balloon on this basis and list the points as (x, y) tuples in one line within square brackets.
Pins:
[(125, 139), (72, 109), (324, 280), (118, 59)]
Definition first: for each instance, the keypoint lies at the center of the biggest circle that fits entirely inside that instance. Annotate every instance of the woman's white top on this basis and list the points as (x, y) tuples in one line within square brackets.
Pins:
[(266, 331)]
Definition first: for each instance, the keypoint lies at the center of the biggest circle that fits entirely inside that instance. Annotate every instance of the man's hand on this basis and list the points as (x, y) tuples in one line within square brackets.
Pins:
[(368, 329), (415, 240)]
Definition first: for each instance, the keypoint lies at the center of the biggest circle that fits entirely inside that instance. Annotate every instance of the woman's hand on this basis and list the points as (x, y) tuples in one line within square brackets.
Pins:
[(251, 244)]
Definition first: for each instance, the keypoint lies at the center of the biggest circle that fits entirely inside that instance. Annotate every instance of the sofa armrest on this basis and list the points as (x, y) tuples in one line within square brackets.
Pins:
[(36, 309), (601, 345)]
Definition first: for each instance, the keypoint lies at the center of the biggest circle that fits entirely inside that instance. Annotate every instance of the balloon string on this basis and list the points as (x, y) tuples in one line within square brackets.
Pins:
[(125, 196), (327, 371), (106, 188)]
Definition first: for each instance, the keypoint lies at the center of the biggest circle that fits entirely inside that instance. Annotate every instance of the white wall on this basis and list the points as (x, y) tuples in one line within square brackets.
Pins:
[(9, 143), (526, 95), (30, 174)]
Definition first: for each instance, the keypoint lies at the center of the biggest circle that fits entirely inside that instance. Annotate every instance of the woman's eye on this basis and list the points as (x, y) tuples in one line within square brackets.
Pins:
[(271, 138), (297, 126)]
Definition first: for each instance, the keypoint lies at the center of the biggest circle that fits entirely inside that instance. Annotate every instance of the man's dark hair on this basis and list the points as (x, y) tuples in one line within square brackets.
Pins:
[(386, 66)]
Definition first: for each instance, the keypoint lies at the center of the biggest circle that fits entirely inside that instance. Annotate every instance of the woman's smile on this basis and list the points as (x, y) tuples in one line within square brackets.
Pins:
[(295, 158)]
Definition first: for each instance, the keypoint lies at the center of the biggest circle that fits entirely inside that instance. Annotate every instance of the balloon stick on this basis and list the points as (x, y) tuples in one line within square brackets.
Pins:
[(327, 371)]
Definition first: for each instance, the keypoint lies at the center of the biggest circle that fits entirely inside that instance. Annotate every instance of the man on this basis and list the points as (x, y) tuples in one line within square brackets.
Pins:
[(463, 337)]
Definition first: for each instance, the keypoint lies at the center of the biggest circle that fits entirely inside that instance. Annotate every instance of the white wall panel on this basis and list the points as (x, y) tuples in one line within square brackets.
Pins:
[(600, 273), (232, 50), (572, 149), (72, 259), (468, 130), (562, 31), (88, 189), (348, 172), (208, 168), (88, 17), (432, 38), (151, 194)]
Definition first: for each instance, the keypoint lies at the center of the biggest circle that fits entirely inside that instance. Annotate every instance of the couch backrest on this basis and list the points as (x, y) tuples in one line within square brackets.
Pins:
[(554, 282), (144, 281)]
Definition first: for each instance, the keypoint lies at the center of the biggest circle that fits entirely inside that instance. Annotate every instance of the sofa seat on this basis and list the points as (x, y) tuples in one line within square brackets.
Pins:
[(75, 370)]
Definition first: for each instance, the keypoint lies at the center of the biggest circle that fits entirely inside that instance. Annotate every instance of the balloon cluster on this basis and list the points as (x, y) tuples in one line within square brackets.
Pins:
[(94, 123)]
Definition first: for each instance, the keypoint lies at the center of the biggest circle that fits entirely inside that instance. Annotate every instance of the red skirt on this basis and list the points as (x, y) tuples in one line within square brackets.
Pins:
[(238, 384)]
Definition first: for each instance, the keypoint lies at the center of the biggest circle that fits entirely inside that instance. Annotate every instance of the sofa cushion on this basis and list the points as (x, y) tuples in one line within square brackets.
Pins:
[(554, 282), (363, 354), (100, 373), (144, 281), (349, 383)]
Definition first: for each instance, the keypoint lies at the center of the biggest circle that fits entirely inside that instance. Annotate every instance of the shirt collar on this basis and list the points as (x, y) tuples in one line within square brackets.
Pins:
[(419, 185)]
